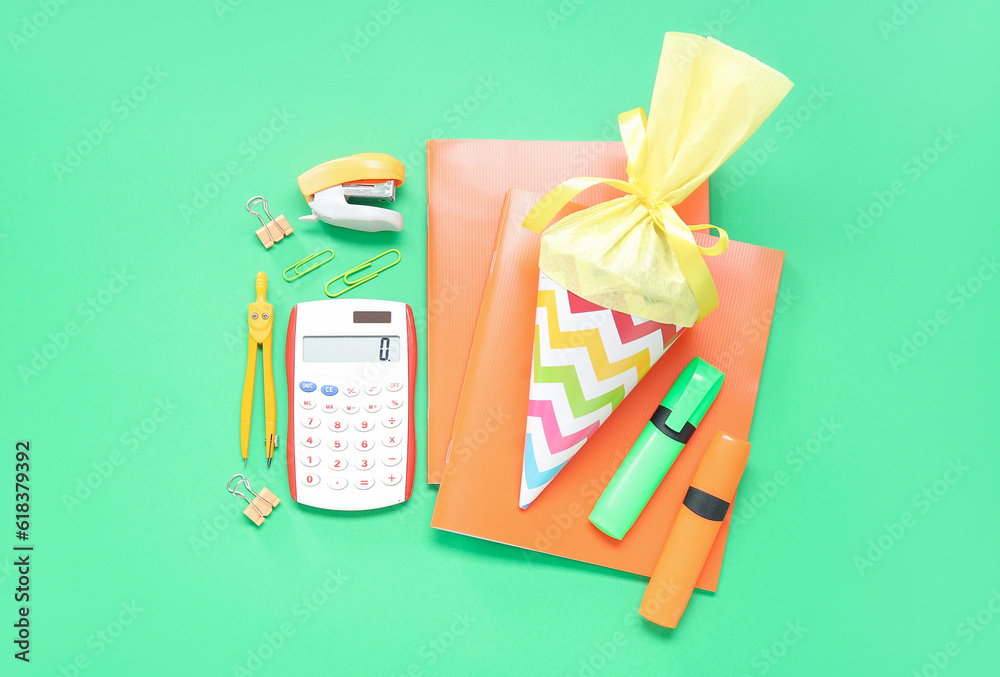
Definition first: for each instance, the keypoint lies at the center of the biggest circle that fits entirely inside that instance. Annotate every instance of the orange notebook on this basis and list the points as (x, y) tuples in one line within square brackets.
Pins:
[(466, 184), (479, 492)]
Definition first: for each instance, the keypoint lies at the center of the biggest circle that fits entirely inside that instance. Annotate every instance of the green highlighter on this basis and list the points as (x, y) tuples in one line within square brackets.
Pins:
[(647, 463)]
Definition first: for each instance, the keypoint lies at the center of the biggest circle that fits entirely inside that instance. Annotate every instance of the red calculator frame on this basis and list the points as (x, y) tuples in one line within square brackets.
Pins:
[(411, 368)]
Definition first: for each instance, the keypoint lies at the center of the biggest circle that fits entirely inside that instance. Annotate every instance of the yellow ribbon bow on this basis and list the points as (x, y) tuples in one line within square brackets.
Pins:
[(679, 235)]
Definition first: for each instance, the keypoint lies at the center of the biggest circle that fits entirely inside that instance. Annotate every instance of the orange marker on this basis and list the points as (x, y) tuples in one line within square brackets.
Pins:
[(694, 531)]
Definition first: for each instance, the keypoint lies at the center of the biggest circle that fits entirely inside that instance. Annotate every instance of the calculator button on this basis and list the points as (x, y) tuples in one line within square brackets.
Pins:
[(329, 391), (310, 421), (372, 407), (310, 460), (392, 459), (394, 386), (394, 403), (307, 403), (337, 483), (329, 407), (337, 425), (392, 478), (310, 441), (310, 479), (364, 444), (392, 421), (364, 483), (337, 444), (364, 424), (351, 408), (307, 386), (364, 463), (352, 391), (372, 390), (337, 464), (392, 440)]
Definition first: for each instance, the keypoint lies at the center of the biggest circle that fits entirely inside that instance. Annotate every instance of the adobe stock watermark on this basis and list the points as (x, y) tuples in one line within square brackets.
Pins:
[(752, 499), (246, 152), (460, 451), (87, 311), (716, 27), (603, 653), (103, 639), (971, 627), (912, 171), (370, 30), (227, 513), (224, 7), (32, 24), (922, 502), (421, 495), (493, 421), (757, 328), (302, 611), (121, 108), (769, 656), (449, 292), (787, 125), (130, 442), (564, 10), (454, 117), (432, 650), (899, 15), (7, 569), (583, 157), (660, 592), (559, 523), (956, 299)]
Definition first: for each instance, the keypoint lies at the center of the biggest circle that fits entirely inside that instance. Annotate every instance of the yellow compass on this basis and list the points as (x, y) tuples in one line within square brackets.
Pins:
[(260, 315)]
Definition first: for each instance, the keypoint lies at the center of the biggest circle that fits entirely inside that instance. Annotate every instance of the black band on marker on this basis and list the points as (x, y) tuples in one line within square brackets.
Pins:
[(659, 419), (705, 505)]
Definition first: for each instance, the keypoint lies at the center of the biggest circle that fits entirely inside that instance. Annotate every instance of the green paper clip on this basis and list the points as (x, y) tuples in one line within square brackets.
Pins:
[(295, 266), (358, 268)]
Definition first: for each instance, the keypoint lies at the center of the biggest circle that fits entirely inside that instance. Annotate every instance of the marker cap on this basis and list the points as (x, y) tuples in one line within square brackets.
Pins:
[(695, 530)]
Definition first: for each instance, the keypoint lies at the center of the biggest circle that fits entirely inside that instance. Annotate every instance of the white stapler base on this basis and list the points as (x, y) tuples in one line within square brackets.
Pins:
[(330, 206)]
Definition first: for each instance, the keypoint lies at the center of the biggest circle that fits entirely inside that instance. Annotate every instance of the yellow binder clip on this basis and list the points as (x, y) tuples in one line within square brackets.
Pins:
[(260, 506), (272, 230), (358, 269)]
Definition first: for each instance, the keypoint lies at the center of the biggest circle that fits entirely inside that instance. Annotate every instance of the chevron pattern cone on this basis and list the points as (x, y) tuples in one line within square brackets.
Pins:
[(586, 360)]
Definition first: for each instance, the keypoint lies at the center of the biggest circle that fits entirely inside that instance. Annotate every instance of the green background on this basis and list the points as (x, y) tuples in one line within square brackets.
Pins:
[(115, 249)]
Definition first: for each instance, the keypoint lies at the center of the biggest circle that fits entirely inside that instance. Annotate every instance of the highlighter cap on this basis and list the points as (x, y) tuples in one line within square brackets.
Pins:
[(692, 394)]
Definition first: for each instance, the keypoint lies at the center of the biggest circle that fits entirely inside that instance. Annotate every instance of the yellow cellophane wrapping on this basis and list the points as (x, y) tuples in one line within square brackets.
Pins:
[(634, 254)]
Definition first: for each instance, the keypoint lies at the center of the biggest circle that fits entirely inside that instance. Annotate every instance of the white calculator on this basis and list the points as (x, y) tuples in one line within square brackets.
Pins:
[(352, 366)]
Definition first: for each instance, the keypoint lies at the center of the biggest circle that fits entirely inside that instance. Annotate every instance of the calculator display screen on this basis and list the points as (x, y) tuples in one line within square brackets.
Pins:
[(350, 349)]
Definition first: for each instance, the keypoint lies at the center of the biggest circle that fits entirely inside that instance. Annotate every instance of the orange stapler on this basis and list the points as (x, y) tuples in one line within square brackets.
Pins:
[(371, 176)]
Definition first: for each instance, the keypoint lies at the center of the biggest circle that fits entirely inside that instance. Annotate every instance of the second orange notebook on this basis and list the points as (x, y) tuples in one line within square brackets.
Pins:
[(479, 491)]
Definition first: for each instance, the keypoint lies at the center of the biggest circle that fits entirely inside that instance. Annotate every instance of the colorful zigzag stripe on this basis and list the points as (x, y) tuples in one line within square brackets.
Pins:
[(587, 359)]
